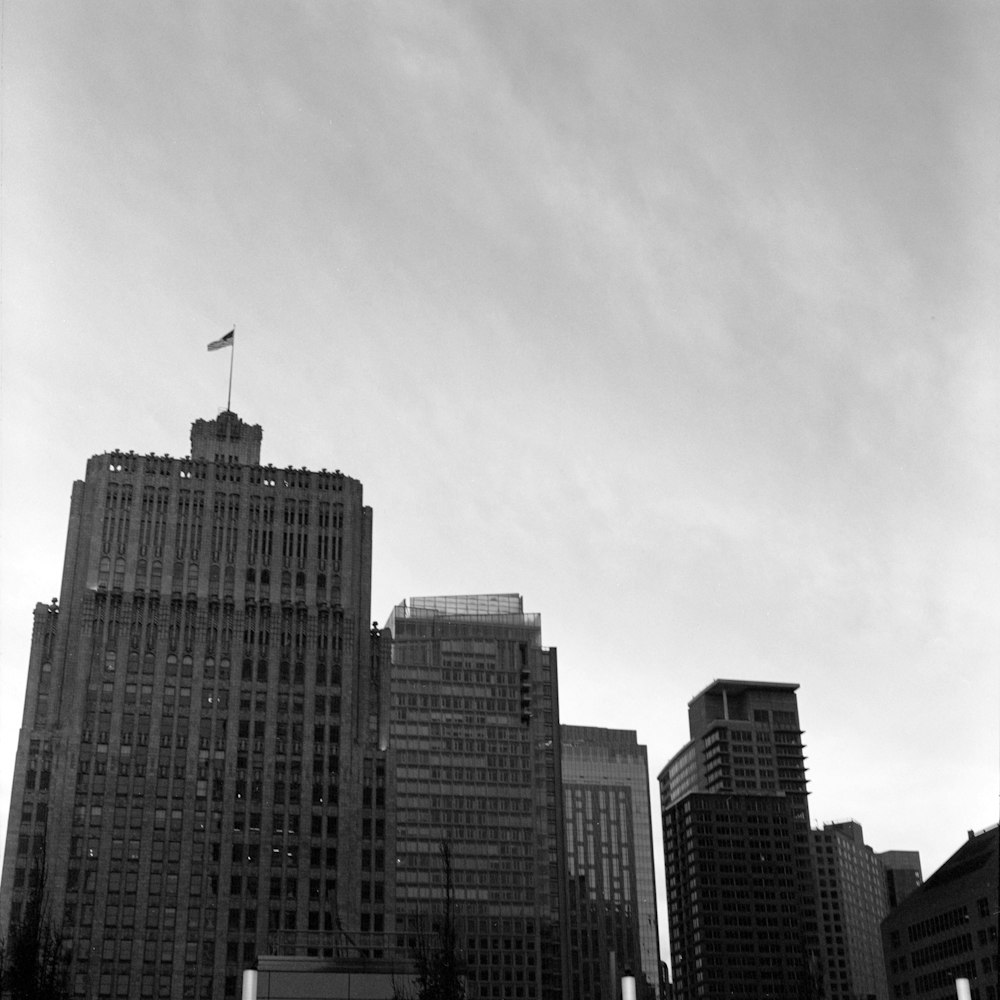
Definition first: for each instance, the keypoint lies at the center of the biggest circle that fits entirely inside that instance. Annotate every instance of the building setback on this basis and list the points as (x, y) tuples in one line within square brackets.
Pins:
[(201, 730), (609, 856), (740, 882), (852, 902), (475, 745), (947, 929)]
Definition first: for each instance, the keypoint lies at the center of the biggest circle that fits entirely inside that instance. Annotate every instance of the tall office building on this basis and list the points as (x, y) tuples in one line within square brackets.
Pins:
[(475, 745), (740, 886), (611, 917), (851, 905), (201, 726)]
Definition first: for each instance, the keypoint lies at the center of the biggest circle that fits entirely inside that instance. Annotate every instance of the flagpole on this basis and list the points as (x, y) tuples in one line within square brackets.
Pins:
[(232, 355)]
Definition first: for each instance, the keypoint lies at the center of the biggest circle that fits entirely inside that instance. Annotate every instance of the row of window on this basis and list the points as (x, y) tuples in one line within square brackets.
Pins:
[(957, 917)]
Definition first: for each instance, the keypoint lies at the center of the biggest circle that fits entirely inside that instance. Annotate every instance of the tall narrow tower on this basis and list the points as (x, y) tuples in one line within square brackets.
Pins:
[(201, 727), (609, 858)]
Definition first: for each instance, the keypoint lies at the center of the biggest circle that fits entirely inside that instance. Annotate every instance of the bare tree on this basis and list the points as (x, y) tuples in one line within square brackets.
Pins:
[(34, 964), (439, 969)]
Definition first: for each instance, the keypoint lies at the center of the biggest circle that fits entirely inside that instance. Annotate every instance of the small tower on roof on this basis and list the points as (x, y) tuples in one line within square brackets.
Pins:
[(226, 439)]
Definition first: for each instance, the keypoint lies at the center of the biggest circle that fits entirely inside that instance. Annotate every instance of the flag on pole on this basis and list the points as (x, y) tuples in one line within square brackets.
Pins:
[(226, 341)]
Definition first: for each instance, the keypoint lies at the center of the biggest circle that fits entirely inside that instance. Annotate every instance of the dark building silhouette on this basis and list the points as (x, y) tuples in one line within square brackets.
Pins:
[(902, 873), (202, 730), (611, 917), (740, 881), (475, 746), (947, 928), (852, 901)]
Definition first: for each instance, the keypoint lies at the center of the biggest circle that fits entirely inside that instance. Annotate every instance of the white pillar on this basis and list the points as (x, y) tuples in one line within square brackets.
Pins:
[(249, 984), (628, 987), (962, 989)]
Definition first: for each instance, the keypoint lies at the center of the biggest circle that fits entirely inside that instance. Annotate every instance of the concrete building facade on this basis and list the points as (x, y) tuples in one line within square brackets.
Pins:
[(852, 902)]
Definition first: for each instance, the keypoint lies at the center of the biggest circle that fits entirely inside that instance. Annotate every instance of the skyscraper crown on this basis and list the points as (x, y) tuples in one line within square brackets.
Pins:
[(226, 439)]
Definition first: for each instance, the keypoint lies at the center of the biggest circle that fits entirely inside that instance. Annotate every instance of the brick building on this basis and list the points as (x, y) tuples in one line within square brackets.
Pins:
[(201, 730)]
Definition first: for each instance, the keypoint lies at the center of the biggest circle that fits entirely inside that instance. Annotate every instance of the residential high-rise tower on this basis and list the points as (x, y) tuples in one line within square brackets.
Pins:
[(740, 885)]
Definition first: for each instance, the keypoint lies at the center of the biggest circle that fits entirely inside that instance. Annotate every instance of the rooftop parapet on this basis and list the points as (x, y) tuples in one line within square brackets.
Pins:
[(491, 609)]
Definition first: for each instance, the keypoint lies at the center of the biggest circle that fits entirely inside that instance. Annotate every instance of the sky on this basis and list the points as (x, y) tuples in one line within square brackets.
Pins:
[(678, 318)]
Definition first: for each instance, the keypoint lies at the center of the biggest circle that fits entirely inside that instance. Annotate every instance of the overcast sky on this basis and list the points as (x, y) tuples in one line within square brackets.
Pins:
[(678, 318)]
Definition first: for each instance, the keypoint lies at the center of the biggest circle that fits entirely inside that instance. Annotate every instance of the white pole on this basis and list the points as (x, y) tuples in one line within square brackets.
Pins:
[(232, 355), (249, 984), (628, 987), (962, 989)]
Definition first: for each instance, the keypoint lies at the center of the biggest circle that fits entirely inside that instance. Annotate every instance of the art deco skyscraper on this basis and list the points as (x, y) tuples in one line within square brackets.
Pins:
[(740, 883), (475, 743), (609, 858), (201, 728)]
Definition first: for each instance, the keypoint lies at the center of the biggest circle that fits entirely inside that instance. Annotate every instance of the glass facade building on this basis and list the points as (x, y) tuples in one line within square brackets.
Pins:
[(609, 857), (903, 874), (476, 752)]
